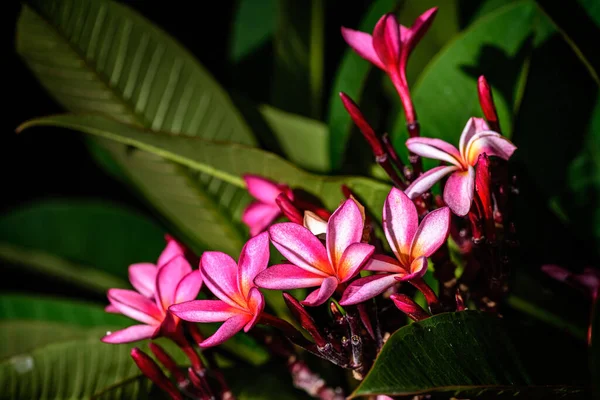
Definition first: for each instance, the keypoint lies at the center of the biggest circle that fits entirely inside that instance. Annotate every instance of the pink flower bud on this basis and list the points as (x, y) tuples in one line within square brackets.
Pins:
[(289, 209), (409, 307), (150, 369), (486, 101)]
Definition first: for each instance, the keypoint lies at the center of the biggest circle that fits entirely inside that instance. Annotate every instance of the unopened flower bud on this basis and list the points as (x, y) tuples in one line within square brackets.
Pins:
[(486, 101), (409, 307), (151, 369), (302, 316), (288, 209)]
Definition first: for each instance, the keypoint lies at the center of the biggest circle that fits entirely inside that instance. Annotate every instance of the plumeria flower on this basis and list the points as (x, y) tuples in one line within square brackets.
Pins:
[(475, 139), (389, 48), (411, 243), (240, 302), (175, 282), (262, 212), (314, 264)]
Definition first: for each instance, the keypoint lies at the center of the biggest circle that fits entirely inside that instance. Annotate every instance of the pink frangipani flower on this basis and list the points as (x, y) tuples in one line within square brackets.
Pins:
[(411, 243), (262, 212), (174, 282), (389, 48), (313, 264), (475, 139), (240, 302)]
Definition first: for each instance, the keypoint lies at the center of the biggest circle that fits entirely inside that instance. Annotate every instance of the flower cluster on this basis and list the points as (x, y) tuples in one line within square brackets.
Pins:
[(339, 254)]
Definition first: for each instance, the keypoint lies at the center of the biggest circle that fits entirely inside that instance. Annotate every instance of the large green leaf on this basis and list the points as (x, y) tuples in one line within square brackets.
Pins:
[(100, 56), (227, 161), (59, 237), (248, 33), (466, 353), (445, 95)]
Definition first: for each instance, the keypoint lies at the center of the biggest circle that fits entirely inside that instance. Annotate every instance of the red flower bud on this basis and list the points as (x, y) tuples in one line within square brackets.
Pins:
[(486, 101), (289, 209), (306, 321), (366, 129), (151, 369), (484, 194), (409, 307), (168, 362)]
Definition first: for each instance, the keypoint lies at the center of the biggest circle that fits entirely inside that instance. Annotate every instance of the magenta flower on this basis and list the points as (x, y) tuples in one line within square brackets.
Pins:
[(389, 48), (312, 263), (262, 212), (411, 243), (475, 139), (240, 302), (174, 282)]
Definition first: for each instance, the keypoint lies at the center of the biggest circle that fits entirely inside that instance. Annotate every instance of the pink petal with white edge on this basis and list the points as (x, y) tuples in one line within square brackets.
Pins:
[(366, 288), (287, 276), (418, 267), (136, 306), (262, 189), (345, 227), (458, 192), (400, 222), (226, 331), (381, 263), (130, 334), (474, 125), (168, 279), (188, 287), (354, 258), (386, 42), (258, 216), (432, 233), (173, 249), (143, 278), (300, 247), (435, 149), (204, 311), (256, 305), (254, 259), (219, 273), (491, 144), (424, 182), (321, 295), (362, 44)]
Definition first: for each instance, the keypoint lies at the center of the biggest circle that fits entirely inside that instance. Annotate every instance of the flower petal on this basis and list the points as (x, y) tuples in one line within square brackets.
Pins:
[(204, 310), (418, 268), (256, 305), (474, 125), (111, 309), (435, 149), (258, 216), (262, 189), (432, 233), (301, 248), (386, 42), (173, 249), (315, 224), (354, 258), (381, 263), (188, 287), (287, 276), (229, 328), (345, 227), (400, 222), (490, 143), (136, 306), (321, 295), (458, 192), (418, 29), (424, 182), (219, 273), (130, 334), (362, 44), (168, 278), (366, 288), (143, 278), (254, 259)]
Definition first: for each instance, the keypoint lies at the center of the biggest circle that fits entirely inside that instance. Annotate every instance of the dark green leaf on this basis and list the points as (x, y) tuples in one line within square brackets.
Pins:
[(253, 25), (59, 237), (445, 95), (99, 56), (226, 161), (303, 140), (270, 382), (466, 353)]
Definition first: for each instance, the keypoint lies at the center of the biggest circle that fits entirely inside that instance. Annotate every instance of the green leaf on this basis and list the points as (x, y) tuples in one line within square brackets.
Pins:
[(227, 161), (269, 382), (577, 27), (445, 96), (60, 237), (248, 35), (299, 47), (467, 354), (303, 140), (99, 56)]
